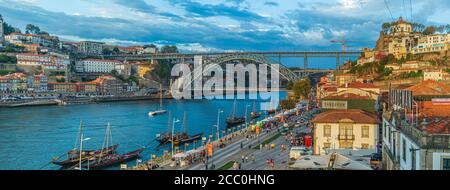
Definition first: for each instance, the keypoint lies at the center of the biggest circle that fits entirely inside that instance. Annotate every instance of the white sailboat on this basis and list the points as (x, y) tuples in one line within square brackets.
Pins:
[(161, 110)]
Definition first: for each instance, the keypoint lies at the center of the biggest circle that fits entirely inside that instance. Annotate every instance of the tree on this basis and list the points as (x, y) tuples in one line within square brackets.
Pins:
[(287, 104), (430, 30), (150, 46), (302, 88), (32, 29), (8, 29), (116, 50), (169, 49), (290, 85)]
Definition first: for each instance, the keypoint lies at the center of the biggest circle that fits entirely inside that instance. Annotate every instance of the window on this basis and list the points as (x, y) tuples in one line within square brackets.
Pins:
[(364, 146), (404, 149), (365, 132), (446, 164), (327, 131)]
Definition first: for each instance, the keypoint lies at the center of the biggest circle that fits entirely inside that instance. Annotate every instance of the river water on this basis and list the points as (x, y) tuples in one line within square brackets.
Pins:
[(31, 136)]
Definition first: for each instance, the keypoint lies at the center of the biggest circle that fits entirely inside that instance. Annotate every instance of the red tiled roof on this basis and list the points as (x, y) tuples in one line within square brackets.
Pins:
[(430, 87), (359, 85), (436, 125), (358, 116), (347, 96)]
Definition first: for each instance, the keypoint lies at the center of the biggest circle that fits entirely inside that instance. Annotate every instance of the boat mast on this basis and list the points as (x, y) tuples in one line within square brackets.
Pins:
[(79, 135), (168, 123), (160, 97), (234, 109), (184, 123), (81, 143)]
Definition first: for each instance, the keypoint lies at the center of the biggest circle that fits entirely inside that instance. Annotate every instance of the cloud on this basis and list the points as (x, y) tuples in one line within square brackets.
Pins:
[(139, 5), (271, 3), (210, 25)]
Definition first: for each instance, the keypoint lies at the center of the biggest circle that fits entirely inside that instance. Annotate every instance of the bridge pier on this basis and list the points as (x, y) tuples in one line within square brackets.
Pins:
[(305, 63), (337, 61)]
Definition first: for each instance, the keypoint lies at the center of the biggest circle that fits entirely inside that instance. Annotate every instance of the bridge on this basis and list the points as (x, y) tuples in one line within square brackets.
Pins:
[(305, 72), (270, 54)]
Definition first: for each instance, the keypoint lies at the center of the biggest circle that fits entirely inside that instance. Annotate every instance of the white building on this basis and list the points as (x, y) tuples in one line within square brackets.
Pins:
[(42, 59), (88, 47), (16, 38), (97, 66), (345, 130), (401, 27), (432, 43), (415, 128), (433, 75)]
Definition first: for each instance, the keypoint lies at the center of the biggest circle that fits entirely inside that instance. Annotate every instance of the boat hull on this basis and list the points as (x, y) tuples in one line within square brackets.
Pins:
[(159, 112), (114, 160), (92, 154)]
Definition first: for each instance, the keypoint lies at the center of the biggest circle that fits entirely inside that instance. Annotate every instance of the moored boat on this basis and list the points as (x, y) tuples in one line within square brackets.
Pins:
[(112, 160), (233, 120), (73, 156), (161, 110)]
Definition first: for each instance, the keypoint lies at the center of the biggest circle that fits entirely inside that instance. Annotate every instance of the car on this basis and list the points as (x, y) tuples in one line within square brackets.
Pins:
[(297, 152), (375, 160)]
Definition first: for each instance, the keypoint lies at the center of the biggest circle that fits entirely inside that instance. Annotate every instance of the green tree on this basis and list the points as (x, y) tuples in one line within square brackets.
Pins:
[(302, 88), (290, 85), (32, 29), (430, 30), (169, 49), (287, 104), (116, 50)]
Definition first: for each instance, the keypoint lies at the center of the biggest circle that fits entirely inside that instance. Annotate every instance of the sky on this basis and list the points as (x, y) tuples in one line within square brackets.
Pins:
[(222, 25)]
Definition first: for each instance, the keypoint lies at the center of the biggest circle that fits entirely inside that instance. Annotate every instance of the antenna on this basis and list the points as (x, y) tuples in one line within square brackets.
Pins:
[(389, 10), (411, 11)]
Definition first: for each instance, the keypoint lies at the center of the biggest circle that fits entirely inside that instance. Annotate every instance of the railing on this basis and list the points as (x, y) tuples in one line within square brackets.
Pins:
[(346, 137), (424, 140)]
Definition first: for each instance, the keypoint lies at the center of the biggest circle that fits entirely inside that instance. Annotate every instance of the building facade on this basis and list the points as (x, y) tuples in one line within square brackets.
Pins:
[(89, 47), (15, 82), (345, 130), (416, 128), (97, 66)]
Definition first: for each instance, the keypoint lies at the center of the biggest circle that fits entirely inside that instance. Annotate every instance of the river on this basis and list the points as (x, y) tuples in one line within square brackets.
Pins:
[(31, 136)]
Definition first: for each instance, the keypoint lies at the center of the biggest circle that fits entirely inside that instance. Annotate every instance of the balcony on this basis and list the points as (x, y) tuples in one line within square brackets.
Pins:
[(346, 137)]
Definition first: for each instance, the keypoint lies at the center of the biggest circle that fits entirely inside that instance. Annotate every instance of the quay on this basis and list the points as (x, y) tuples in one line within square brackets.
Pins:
[(233, 146), (77, 100)]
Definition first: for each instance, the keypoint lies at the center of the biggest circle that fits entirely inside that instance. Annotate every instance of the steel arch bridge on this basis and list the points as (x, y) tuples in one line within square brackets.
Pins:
[(259, 59)]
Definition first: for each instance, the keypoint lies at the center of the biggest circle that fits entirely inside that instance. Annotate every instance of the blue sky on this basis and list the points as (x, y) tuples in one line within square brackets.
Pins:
[(221, 25)]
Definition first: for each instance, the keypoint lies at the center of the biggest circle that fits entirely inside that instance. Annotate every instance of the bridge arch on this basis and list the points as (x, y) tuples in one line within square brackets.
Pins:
[(259, 59)]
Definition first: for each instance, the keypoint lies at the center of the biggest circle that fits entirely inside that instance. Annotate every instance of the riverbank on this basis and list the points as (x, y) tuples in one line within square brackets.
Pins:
[(76, 100)]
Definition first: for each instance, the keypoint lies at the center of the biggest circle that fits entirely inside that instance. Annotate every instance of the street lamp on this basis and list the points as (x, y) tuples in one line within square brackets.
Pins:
[(217, 125), (173, 131), (246, 115), (81, 149)]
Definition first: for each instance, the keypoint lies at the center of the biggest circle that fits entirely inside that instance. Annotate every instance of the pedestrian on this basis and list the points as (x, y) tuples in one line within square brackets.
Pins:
[(242, 145), (253, 158), (260, 146), (240, 165), (243, 158), (246, 158)]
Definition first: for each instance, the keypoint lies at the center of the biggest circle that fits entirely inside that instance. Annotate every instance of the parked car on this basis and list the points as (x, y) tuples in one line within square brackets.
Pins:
[(297, 152)]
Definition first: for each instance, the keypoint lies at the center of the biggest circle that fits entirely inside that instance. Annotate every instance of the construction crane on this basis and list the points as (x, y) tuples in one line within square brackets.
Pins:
[(343, 43)]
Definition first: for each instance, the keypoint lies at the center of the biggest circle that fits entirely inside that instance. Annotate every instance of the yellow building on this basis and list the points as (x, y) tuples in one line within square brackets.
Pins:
[(345, 129), (342, 79), (143, 69)]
